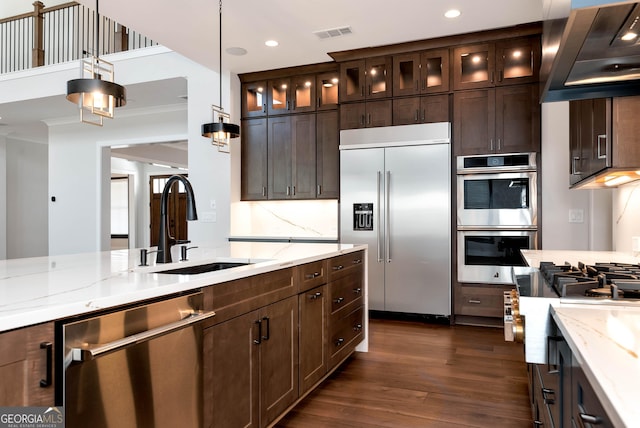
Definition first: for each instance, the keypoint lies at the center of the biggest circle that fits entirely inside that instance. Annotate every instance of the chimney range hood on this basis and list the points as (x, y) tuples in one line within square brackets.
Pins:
[(590, 49)]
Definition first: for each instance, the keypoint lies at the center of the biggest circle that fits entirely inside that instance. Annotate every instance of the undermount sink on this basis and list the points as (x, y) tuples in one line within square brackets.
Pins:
[(209, 267)]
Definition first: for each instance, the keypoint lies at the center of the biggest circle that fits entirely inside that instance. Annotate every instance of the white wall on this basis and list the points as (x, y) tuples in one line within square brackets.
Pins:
[(3, 198), (26, 196), (595, 232)]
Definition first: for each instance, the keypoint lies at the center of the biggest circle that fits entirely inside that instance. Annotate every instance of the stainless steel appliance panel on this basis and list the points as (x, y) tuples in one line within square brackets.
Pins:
[(487, 256), (506, 199), (361, 182), (140, 367), (400, 180), (418, 268)]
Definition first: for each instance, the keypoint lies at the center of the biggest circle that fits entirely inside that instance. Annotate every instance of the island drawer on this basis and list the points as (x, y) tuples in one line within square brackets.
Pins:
[(311, 275), (345, 291), (344, 264), (238, 297), (345, 334)]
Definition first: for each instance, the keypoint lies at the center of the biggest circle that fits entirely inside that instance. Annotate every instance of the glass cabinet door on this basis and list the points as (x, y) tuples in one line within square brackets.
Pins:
[(255, 100), (435, 71), (352, 81), (303, 91), (378, 77), (327, 90), (406, 74), (279, 100), (518, 61), (474, 66)]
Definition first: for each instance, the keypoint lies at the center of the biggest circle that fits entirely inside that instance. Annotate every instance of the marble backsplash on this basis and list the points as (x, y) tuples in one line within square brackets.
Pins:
[(316, 219)]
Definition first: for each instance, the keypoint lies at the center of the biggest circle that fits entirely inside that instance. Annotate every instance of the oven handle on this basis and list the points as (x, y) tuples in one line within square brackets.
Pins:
[(92, 351)]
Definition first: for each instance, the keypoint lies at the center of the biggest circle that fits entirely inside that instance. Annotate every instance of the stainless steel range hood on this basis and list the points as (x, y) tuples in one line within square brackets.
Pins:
[(590, 49)]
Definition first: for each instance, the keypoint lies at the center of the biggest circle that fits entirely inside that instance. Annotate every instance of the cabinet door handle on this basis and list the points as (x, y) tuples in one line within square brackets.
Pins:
[(548, 391), (266, 337), (340, 341), (500, 76), (417, 84), (424, 115), (293, 190), (339, 267), (48, 347), (357, 327), (491, 144), (315, 296), (357, 261), (339, 300), (357, 290), (601, 154), (288, 190), (574, 169), (319, 190), (590, 419), (259, 339), (492, 77), (475, 301), (498, 144), (264, 108), (312, 275), (369, 119), (362, 120), (264, 191)]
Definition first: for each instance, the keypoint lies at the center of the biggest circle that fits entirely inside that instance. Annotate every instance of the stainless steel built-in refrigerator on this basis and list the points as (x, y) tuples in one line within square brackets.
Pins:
[(395, 196)]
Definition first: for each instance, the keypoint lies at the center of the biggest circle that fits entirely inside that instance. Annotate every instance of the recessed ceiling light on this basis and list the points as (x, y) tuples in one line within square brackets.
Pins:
[(271, 43), (452, 13)]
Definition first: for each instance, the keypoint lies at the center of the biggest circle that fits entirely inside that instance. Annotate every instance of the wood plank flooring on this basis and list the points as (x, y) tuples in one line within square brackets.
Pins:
[(423, 375)]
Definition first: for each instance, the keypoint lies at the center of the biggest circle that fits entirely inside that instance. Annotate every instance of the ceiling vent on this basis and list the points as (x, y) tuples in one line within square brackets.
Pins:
[(333, 32)]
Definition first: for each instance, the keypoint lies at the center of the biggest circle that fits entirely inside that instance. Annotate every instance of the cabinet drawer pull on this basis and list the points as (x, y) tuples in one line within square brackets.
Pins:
[(339, 300), (475, 301), (48, 347), (339, 267), (357, 290), (591, 419), (315, 295), (339, 342), (357, 327), (312, 275), (357, 261), (546, 391)]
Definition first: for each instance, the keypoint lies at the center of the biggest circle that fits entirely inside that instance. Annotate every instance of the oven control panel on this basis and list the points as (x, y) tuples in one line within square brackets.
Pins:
[(508, 317)]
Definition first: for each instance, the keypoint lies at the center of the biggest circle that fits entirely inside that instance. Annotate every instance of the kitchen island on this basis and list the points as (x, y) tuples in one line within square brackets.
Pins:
[(599, 365), (278, 322)]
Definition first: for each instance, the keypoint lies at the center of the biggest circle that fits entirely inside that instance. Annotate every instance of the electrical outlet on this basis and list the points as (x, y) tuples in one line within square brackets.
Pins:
[(576, 216)]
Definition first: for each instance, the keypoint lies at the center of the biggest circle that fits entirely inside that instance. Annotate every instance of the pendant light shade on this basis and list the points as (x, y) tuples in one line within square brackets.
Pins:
[(220, 130), (95, 93)]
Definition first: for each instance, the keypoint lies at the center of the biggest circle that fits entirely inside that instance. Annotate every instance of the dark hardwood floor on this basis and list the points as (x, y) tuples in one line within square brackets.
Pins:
[(423, 375)]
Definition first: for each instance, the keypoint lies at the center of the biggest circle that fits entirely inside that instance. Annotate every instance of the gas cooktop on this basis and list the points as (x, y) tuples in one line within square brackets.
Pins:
[(606, 280)]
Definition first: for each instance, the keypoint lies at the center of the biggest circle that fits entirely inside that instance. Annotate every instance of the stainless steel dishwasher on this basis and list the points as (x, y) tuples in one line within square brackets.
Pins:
[(138, 367)]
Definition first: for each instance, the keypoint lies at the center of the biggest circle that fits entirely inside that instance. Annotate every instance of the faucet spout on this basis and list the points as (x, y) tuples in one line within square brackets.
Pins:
[(165, 240)]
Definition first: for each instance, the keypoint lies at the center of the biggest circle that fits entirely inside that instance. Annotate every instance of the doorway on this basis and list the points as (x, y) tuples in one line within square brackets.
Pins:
[(177, 208)]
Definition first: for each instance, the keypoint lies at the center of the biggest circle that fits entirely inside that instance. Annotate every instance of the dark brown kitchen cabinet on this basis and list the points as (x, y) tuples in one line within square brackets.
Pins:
[(26, 366), (254, 99), (365, 79), (368, 114), (479, 300), (253, 162), (292, 157), (421, 72), (589, 137), (426, 109), (327, 85), (251, 366), (505, 62), (313, 336), (291, 95), (327, 155), (500, 120)]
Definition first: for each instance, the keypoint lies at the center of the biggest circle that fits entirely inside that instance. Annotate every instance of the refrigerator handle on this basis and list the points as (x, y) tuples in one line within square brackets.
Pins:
[(378, 219), (387, 222)]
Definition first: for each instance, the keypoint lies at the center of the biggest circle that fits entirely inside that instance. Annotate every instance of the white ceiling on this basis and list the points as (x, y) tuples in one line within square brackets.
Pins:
[(190, 27)]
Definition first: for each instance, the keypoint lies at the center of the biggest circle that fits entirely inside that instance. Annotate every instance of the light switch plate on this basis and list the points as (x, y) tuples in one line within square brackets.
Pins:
[(208, 217)]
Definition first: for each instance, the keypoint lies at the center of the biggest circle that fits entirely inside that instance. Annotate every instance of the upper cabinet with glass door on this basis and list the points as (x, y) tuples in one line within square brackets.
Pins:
[(291, 95), (327, 85), (254, 103), (505, 62), (365, 79), (421, 73)]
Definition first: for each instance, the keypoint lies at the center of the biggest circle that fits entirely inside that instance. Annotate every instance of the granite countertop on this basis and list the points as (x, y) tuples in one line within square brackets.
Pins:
[(42, 289), (606, 343)]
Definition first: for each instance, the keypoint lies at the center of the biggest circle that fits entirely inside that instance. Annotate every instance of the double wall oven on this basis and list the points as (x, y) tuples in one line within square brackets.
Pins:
[(496, 215)]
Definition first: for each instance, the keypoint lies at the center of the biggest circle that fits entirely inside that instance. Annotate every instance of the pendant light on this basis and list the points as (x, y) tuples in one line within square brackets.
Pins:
[(220, 131), (95, 92)]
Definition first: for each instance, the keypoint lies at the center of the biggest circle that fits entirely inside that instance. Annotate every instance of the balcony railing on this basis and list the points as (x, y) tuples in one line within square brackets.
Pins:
[(62, 33)]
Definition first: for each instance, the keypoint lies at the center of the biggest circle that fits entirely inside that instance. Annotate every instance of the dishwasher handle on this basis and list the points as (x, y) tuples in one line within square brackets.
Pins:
[(92, 351)]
